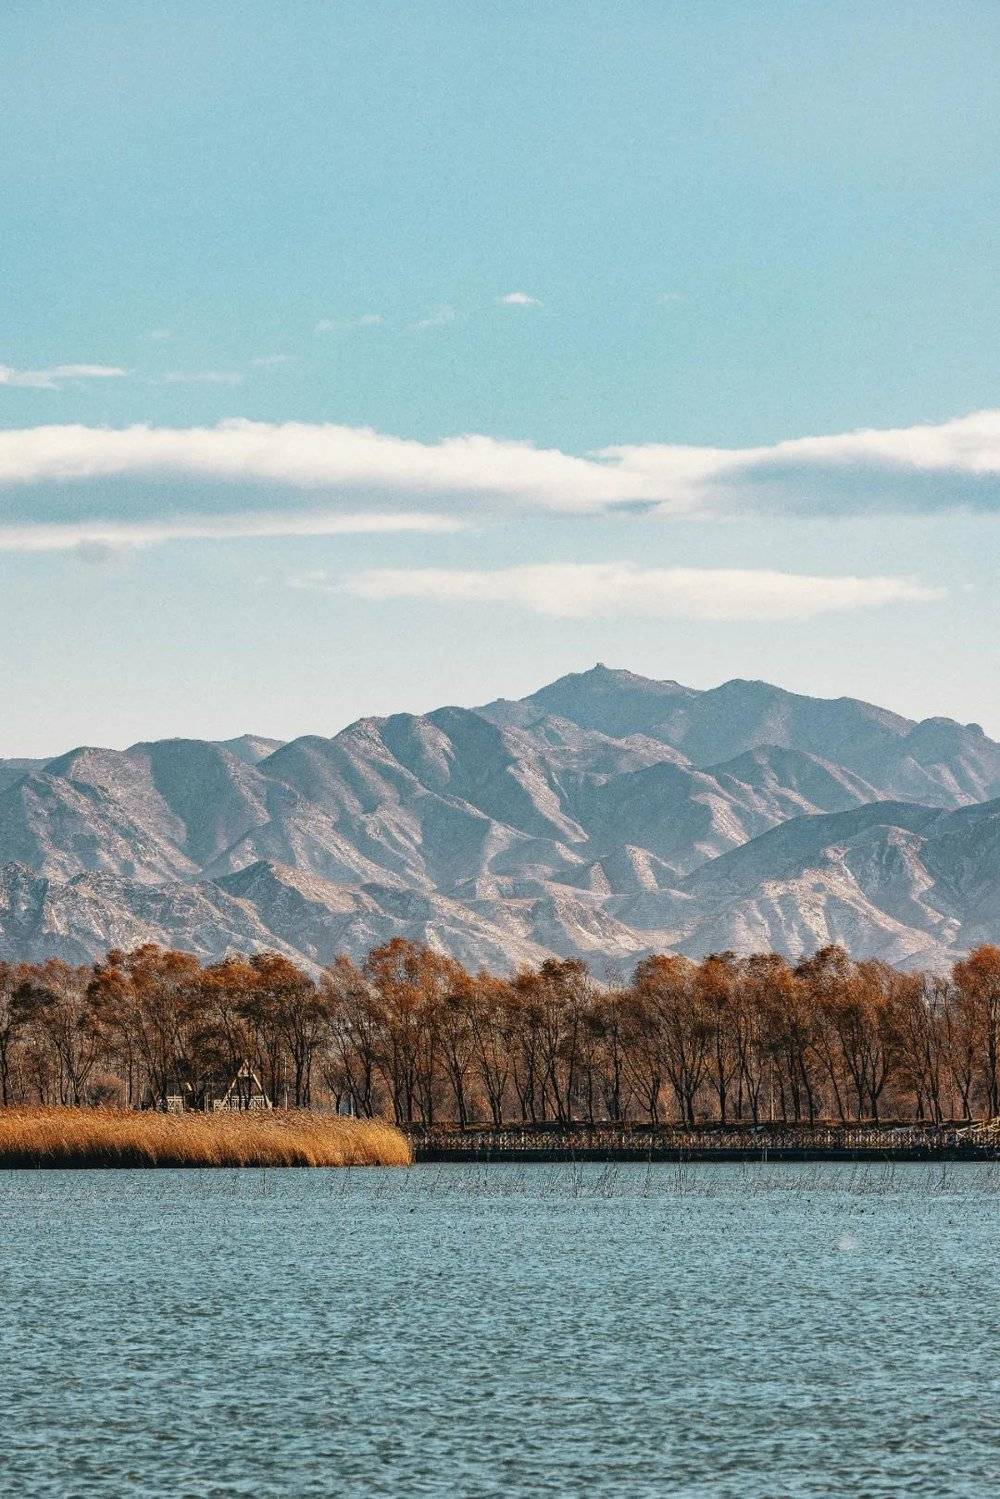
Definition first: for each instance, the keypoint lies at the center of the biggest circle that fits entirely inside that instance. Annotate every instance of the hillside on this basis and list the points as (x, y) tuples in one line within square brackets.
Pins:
[(606, 815)]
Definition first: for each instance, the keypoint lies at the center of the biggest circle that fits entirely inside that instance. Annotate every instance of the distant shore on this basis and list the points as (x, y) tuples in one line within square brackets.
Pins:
[(770, 1142)]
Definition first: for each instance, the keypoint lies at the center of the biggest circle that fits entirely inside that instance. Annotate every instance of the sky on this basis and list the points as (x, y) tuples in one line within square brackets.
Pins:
[(364, 357)]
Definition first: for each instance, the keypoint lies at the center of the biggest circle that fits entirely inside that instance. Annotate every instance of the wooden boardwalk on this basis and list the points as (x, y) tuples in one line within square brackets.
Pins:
[(771, 1142)]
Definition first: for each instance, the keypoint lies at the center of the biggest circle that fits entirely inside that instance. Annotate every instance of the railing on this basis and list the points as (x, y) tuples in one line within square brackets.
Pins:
[(644, 1142)]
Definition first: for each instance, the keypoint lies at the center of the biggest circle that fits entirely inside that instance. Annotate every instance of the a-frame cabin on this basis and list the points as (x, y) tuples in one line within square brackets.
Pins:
[(245, 1092)]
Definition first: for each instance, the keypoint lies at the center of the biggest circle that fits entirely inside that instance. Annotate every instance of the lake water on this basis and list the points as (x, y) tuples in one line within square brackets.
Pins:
[(739, 1333)]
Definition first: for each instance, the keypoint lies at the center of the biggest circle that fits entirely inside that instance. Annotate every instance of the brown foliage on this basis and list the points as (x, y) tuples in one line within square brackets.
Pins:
[(413, 1035)]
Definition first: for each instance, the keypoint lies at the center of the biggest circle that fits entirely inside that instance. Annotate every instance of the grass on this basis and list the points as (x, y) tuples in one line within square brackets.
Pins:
[(122, 1137)]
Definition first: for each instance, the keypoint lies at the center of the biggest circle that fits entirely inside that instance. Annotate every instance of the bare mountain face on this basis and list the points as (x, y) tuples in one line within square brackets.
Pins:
[(606, 815), (937, 761)]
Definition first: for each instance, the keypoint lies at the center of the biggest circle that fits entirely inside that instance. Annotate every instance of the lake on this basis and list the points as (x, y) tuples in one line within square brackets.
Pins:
[(725, 1331)]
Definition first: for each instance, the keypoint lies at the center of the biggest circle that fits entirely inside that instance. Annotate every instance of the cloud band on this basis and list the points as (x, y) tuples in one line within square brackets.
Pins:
[(583, 590), (921, 469)]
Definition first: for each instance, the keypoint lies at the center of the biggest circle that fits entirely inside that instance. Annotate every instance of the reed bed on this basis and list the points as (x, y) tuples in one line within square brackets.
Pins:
[(63, 1137)]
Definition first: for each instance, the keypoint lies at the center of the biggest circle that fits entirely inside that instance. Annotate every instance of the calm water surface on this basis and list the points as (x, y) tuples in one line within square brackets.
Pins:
[(704, 1331)]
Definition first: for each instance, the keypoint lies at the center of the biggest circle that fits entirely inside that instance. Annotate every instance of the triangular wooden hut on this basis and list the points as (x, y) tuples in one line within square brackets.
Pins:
[(244, 1092)]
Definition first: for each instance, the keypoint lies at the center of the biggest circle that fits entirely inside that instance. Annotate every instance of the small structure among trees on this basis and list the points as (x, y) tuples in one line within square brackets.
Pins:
[(245, 1092)]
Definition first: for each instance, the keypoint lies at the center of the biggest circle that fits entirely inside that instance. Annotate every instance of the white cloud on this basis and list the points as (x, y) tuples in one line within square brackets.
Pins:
[(340, 325), (88, 372), (930, 467), (599, 590), (99, 536), (204, 377), (161, 335), (272, 361), (519, 299), (54, 377), (438, 319), (301, 455), (919, 469)]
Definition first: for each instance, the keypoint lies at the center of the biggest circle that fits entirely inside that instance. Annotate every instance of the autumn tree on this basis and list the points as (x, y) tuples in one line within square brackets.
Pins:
[(679, 1027), (763, 994), (716, 986), (923, 1022), (608, 1021), (285, 1016), (492, 1017), (356, 1046), (12, 1021), (411, 983), (557, 996), (977, 980), (50, 999), (457, 1035), (145, 1001)]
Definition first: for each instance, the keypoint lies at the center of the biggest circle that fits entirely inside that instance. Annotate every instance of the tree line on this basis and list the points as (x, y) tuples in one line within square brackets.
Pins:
[(412, 1035)]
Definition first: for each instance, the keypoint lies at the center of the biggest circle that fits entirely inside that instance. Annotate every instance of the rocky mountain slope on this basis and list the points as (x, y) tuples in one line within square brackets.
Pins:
[(606, 815)]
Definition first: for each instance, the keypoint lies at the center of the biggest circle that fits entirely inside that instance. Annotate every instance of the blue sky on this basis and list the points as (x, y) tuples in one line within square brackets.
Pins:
[(587, 238)]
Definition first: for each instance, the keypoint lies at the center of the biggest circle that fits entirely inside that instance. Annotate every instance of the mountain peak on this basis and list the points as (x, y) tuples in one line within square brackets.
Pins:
[(601, 675), (609, 699)]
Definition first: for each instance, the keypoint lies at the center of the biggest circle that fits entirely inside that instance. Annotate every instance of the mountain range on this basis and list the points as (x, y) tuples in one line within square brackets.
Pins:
[(607, 816)]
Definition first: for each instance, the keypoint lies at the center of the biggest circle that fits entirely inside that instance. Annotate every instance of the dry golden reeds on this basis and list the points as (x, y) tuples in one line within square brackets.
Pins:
[(122, 1137)]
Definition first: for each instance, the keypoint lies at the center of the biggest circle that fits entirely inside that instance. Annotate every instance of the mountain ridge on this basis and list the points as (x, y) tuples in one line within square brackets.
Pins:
[(606, 815)]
